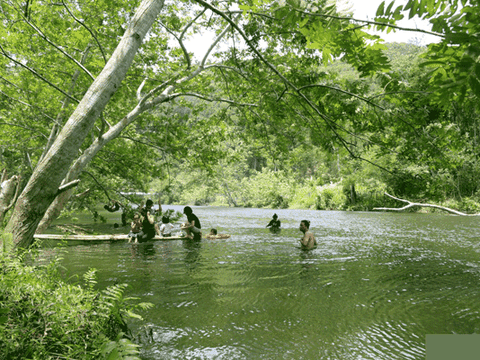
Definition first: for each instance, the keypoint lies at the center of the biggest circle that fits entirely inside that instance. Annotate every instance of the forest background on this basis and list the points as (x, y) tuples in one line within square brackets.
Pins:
[(295, 104)]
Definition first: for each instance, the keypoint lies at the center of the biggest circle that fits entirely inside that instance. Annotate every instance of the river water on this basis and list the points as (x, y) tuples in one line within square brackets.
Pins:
[(375, 286)]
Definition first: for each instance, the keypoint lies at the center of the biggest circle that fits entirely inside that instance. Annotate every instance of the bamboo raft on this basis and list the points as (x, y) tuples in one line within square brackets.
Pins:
[(52, 239)]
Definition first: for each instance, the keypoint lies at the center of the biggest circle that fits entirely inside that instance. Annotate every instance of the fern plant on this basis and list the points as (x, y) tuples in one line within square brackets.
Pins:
[(43, 317)]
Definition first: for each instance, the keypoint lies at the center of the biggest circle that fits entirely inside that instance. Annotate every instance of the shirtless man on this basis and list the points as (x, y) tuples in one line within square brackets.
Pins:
[(308, 241)]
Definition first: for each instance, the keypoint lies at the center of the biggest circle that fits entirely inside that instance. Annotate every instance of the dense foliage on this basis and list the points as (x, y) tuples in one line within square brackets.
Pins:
[(42, 317)]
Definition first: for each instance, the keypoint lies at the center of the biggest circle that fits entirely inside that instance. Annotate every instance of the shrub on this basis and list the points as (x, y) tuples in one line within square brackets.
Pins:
[(331, 197), (305, 196), (42, 317), (266, 189)]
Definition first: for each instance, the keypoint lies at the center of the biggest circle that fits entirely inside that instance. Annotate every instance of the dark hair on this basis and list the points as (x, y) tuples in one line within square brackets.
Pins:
[(187, 210), (214, 231), (307, 223), (275, 216), (165, 219), (149, 202)]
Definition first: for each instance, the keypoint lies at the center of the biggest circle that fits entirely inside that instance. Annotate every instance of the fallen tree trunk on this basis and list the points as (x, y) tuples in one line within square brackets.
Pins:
[(412, 204)]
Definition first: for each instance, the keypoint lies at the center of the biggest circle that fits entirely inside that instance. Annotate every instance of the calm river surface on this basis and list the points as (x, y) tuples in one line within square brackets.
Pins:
[(374, 287)]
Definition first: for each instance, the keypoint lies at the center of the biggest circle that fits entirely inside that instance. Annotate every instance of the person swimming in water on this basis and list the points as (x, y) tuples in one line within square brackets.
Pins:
[(308, 241), (274, 223)]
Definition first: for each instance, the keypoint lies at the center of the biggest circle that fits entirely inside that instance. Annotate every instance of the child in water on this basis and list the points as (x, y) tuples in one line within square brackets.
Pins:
[(214, 235), (135, 227)]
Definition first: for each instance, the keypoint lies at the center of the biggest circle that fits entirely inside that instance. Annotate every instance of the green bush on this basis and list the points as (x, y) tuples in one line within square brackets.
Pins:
[(266, 189), (331, 197), (42, 317), (305, 196)]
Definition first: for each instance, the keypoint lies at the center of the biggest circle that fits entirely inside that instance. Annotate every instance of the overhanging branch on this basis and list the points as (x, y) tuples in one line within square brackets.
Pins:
[(34, 72), (411, 204), (203, 97)]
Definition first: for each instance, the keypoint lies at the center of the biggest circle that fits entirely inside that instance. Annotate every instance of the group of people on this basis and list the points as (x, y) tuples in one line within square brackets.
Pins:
[(144, 227), (307, 242)]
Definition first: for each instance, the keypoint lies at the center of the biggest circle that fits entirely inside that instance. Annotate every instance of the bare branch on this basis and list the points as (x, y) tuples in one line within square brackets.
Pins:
[(180, 38), (152, 92), (99, 184), (412, 204), (215, 42), (17, 192), (140, 88), (67, 186)]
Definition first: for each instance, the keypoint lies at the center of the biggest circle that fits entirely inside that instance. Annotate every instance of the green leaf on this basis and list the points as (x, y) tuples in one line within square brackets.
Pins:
[(475, 85), (380, 9)]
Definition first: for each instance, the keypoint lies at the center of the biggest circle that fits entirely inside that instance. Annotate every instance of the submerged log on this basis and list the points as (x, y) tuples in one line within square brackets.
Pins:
[(70, 239), (87, 238), (411, 204)]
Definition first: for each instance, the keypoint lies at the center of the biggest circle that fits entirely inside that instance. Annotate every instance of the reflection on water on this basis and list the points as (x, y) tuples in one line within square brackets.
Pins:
[(373, 288)]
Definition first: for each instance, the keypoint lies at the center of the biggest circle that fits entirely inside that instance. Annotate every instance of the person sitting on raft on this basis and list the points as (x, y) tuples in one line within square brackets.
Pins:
[(193, 224), (148, 224), (166, 227), (274, 223), (135, 227)]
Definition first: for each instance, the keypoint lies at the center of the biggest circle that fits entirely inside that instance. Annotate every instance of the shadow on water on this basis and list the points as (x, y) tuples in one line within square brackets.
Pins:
[(373, 288), (143, 250), (192, 253)]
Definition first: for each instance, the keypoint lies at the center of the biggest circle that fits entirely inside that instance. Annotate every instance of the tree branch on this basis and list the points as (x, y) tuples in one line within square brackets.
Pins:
[(180, 38), (100, 185), (215, 42), (44, 37), (203, 97), (412, 204), (67, 186), (17, 192), (368, 22), (34, 72), (88, 29), (24, 127), (342, 91), (330, 123)]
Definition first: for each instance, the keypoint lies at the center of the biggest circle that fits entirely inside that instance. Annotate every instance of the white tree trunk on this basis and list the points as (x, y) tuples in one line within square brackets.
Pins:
[(44, 183), (145, 102), (8, 192)]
